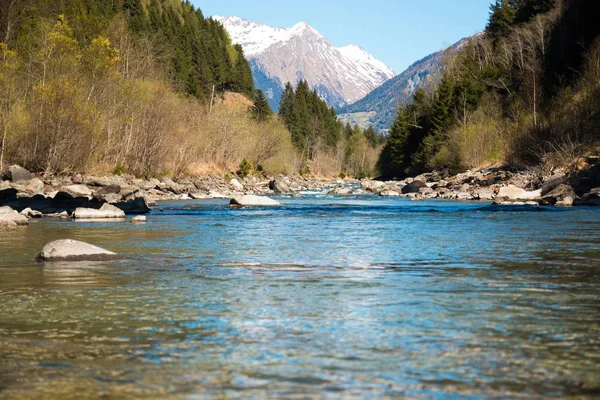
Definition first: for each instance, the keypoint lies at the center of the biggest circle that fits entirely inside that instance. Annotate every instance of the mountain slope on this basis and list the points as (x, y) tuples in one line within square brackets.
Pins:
[(341, 76), (378, 108)]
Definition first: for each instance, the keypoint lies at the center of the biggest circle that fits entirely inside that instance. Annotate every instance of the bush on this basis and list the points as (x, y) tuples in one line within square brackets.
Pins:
[(245, 168), (119, 170)]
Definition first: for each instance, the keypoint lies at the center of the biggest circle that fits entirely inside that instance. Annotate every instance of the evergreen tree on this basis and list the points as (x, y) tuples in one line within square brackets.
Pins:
[(502, 17), (372, 136), (395, 156), (444, 113), (261, 111)]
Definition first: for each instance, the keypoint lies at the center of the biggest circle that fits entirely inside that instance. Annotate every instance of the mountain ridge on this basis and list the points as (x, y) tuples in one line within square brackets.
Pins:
[(341, 76)]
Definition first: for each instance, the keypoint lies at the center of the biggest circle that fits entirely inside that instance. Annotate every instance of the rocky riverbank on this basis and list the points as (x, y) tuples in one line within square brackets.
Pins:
[(24, 195)]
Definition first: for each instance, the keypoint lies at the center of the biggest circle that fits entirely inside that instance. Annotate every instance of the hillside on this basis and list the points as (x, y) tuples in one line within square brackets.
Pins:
[(278, 55), (381, 104)]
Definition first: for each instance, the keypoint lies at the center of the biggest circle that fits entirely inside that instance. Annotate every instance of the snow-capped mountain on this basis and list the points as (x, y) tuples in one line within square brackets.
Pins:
[(279, 55)]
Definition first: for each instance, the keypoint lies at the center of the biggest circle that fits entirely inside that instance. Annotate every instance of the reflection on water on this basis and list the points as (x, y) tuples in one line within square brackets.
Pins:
[(321, 298)]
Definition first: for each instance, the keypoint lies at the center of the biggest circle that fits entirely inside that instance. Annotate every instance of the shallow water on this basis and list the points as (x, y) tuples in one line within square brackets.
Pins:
[(321, 298)]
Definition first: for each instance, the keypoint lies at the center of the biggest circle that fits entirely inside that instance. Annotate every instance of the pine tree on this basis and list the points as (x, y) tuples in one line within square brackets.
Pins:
[(372, 136), (395, 156), (261, 111), (286, 105), (444, 113), (502, 17)]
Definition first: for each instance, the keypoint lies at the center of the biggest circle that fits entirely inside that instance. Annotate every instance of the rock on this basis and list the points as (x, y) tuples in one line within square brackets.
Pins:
[(8, 194), (464, 196), (216, 195), (344, 191), (485, 194), (413, 187), (72, 250), (512, 192), (10, 215), (590, 199), (372, 186), (107, 211), (236, 185), (31, 187), (279, 186), (552, 183), (61, 215), (29, 213), (251, 200), (15, 173), (7, 224), (135, 206), (139, 219), (563, 195), (79, 190), (198, 196), (389, 193), (77, 179)]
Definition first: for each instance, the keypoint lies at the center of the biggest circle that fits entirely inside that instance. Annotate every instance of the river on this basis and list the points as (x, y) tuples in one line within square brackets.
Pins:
[(325, 297)]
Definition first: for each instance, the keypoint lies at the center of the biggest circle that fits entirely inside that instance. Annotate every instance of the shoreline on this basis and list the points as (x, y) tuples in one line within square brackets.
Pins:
[(59, 197)]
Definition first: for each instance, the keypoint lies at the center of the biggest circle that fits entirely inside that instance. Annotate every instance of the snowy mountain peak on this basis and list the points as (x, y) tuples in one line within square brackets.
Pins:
[(278, 55)]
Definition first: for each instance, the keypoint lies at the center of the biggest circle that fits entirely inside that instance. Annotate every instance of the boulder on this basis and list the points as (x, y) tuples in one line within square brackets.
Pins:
[(79, 190), (279, 186), (485, 194), (512, 192), (73, 250), (253, 201), (135, 206), (372, 186), (30, 187), (413, 187), (590, 199), (29, 213), (563, 195), (389, 193), (139, 219), (236, 185), (8, 215), (15, 173), (107, 211)]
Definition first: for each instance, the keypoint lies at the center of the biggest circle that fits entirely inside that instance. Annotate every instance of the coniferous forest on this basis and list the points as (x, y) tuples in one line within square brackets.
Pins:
[(526, 91)]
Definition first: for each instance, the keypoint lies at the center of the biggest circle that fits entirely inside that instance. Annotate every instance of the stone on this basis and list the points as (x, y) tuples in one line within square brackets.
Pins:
[(79, 190), (343, 191), (563, 195), (590, 199), (279, 186), (29, 213), (216, 195), (464, 196), (7, 224), (73, 250), (372, 186), (15, 173), (413, 187), (107, 211), (485, 194), (252, 200), (512, 192), (139, 219), (236, 185), (389, 193), (138, 205), (10, 215)]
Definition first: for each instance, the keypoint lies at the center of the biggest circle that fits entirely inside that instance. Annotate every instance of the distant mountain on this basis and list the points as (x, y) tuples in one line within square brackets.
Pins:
[(378, 108), (341, 76)]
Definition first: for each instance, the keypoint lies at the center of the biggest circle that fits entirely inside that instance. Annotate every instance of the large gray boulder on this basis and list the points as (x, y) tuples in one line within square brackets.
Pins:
[(590, 199), (107, 211), (15, 173), (253, 201), (279, 186), (236, 185), (413, 187), (563, 195), (10, 217), (79, 190), (73, 250)]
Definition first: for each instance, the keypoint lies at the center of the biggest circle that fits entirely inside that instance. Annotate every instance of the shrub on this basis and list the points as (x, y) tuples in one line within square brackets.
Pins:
[(245, 168)]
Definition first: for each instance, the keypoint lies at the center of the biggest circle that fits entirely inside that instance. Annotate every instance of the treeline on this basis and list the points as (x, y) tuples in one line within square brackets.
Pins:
[(526, 91), (324, 143)]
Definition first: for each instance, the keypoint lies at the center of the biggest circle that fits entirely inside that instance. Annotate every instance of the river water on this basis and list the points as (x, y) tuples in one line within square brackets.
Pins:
[(325, 297)]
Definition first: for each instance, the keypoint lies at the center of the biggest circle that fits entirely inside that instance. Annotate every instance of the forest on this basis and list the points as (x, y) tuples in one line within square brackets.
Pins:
[(151, 88), (525, 92)]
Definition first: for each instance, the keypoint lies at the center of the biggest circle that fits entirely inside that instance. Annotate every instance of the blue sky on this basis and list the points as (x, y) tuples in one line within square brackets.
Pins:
[(398, 32)]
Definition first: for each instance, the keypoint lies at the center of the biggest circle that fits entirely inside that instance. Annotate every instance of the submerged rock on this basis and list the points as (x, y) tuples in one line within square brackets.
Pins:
[(73, 250), (139, 219), (413, 187), (252, 200)]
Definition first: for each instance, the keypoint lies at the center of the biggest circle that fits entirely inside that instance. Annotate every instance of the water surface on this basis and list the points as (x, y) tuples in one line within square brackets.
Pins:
[(321, 298)]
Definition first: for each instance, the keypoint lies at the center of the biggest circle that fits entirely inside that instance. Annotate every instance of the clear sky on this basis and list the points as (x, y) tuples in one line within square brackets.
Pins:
[(398, 32)]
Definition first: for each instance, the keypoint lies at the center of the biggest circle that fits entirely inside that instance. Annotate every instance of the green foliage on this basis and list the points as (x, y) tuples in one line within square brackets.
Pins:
[(119, 170), (261, 111), (245, 169)]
